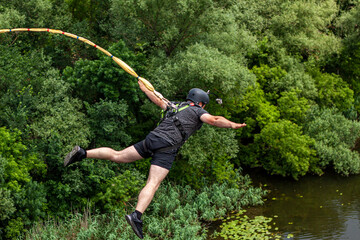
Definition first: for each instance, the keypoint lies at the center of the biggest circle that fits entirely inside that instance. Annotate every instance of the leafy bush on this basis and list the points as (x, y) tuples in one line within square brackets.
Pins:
[(103, 78), (23, 200), (333, 91), (206, 67), (292, 107), (302, 27), (284, 150), (108, 121), (119, 190), (255, 110), (335, 139), (207, 155), (268, 78)]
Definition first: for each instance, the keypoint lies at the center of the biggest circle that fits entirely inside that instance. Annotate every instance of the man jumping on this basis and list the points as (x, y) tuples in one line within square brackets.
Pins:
[(162, 144)]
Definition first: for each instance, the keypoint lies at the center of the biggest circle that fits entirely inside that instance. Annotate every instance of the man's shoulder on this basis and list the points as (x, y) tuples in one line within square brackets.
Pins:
[(190, 106), (199, 111)]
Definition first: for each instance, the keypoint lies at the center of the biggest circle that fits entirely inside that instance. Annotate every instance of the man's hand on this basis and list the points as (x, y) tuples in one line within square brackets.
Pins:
[(238, 125)]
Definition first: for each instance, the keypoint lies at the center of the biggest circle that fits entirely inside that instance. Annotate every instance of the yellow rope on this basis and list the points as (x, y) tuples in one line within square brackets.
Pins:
[(122, 64)]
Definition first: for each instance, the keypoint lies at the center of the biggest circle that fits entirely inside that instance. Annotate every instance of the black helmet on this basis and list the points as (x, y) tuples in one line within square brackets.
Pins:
[(197, 95)]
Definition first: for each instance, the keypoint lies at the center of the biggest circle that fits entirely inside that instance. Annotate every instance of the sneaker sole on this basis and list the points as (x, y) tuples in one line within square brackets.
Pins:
[(133, 227), (70, 155)]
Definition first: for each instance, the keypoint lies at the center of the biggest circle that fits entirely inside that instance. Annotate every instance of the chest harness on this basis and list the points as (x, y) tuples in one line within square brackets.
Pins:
[(171, 112)]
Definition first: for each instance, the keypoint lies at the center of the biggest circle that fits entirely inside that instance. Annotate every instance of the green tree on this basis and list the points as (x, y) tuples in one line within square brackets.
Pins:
[(207, 155), (303, 28), (19, 70), (333, 91), (10, 18), (7, 207), (167, 25), (57, 118), (57, 125), (284, 150), (108, 121), (31, 204), (120, 189), (205, 68), (36, 12), (297, 79), (335, 140), (268, 78), (256, 15), (292, 107), (88, 9), (105, 79), (19, 163), (287, 77), (255, 110), (349, 62), (347, 24), (291, 27), (23, 200)]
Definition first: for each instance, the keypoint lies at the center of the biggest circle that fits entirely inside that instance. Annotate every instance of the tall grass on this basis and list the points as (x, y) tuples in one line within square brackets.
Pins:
[(176, 212), (83, 226)]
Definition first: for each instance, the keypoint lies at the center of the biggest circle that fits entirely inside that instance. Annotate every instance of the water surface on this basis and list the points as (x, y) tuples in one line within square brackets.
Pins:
[(326, 207)]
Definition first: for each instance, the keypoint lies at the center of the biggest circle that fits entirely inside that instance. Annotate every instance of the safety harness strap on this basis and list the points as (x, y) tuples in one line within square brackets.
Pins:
[(177, 122), (179, 126), (171, 113), (173, 147), (165, 149)]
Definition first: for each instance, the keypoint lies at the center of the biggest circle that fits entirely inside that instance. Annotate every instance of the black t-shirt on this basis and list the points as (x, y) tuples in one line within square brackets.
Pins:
[(189, 119)]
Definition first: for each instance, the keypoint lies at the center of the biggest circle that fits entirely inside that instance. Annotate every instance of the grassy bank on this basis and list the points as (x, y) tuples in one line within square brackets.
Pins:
[(177, 212)]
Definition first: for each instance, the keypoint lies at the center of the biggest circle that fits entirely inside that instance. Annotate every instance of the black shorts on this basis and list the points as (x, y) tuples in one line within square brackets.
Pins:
[(153, 146)]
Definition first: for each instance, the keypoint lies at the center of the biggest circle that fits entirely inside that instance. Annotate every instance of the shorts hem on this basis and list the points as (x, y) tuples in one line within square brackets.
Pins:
[(139, 150), (162, 166)]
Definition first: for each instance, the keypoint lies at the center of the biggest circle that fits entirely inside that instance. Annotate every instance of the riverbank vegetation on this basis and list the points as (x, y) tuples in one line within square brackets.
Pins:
[(289, 69)]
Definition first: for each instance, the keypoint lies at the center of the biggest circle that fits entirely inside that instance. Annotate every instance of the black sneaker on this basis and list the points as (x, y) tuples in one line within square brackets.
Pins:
[(136, 224), (77, 154)]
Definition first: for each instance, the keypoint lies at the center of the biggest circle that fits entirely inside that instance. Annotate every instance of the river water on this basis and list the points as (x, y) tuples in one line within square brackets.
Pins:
[(326, 207)]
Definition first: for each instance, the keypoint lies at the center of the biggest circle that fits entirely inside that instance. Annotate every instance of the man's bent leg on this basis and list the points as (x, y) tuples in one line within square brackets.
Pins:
[(126, 155), (156, 176)]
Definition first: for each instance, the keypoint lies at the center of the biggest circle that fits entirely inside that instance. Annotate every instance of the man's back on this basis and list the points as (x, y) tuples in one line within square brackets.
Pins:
[(189, 119)]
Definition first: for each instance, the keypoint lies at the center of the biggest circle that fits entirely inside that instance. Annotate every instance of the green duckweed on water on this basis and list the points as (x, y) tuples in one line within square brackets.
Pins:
[(241, 226)]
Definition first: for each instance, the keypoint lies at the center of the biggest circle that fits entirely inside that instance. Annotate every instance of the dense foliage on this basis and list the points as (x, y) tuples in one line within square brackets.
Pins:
[(289, 69)]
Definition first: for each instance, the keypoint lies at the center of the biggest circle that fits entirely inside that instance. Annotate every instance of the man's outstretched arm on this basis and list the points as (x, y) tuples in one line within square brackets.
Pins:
[(151, 95), (220, 121)]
